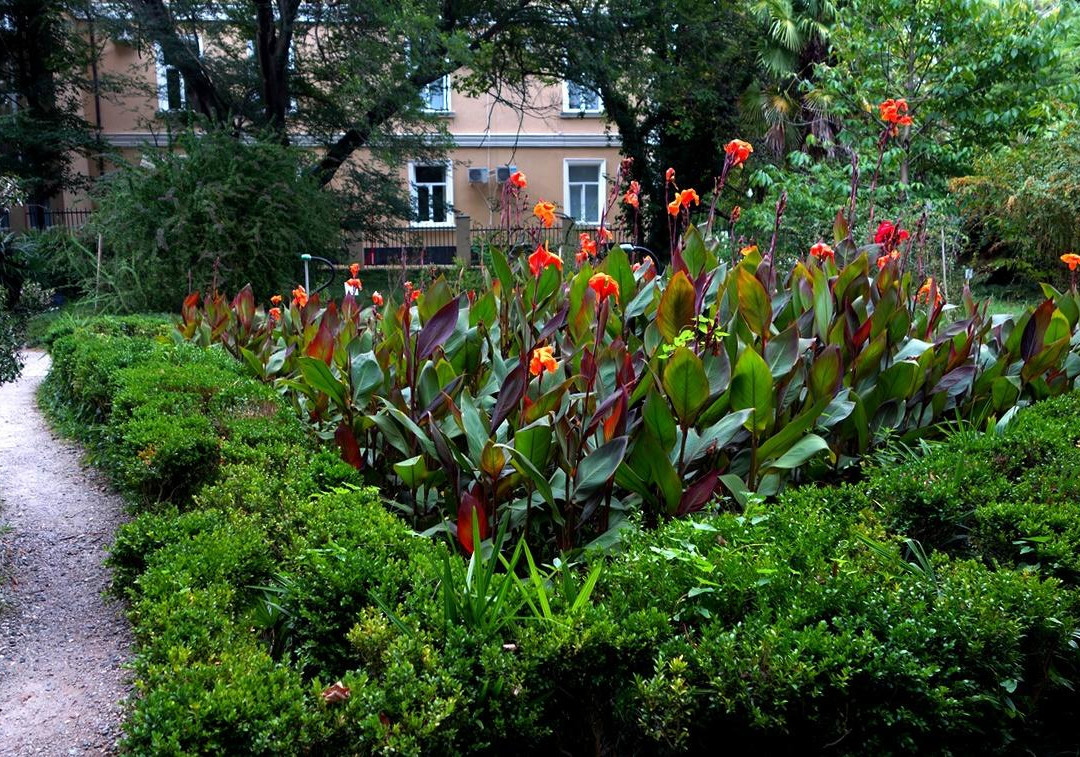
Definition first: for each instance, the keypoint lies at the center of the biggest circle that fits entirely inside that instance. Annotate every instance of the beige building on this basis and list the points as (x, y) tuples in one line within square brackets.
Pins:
[(558, 138)]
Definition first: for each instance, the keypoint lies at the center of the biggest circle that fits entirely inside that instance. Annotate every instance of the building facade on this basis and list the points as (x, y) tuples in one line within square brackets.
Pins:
[(559, 138)]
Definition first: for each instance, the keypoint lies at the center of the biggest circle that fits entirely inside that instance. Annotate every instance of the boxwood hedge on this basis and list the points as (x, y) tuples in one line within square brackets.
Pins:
[(932, 606)]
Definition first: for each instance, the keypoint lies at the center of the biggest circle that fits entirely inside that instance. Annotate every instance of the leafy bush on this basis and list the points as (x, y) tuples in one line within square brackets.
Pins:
[(216, 211), (1023, 205), (10, 360), (804, 625), (709, 380)]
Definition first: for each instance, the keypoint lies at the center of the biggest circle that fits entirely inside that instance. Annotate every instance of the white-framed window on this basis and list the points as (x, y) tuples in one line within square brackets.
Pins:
[(579, 99), (584, 183), (291, 69), (436, 96), (171, 87), (432, 187)]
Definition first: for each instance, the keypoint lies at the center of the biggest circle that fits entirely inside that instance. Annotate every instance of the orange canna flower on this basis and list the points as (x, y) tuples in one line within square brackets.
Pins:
[(517, 180), (605, 234), (669, 175), (750, 249), (1071, 259), (604, 286), (883, 260), (687, 196), (376, 299), (674, 206), (275, 300), (738, 151), (275, 315), (542, 360), (650, 269), (353, 286), (545, 211), (354, 270), (632, 200), (542, 258), (895, 112), (635, 187), (300, 296), (415, 296), (588, 246), (735, 213), (822, 251), (924, 293)]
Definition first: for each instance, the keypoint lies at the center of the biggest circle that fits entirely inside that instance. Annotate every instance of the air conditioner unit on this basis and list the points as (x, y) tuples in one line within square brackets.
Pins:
[(125, 37), (478, 175), (502, 173)]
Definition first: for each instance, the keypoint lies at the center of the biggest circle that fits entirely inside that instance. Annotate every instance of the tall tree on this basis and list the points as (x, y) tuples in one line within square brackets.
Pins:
[(670, 75), (44, 60)]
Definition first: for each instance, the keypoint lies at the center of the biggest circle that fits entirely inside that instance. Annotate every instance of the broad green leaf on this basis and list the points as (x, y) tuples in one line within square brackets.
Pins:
[(800, 452), (686, 385), (413, 471), (617, 266), (534, 442), (597, 468), (676, 310), (659, 421), (752, 389), (318, 375), (825, 373), (754, 305)]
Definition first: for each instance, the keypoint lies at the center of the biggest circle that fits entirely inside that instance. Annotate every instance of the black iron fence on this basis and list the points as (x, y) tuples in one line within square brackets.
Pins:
[(410, 246), (42, 217)]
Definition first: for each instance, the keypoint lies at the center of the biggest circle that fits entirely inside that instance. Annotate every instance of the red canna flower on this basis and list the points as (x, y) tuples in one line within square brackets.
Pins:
[(376, 299), (738, 151), (687, 196), (604, 286), (300, 296), (275, 300), (354, 270), (353, 286), (275, 315), (669, 176), (821, 251), (542, 258), (517, 180), (735, 213), (543, 359), (1071, 259), (895, 112), (635, 187), (415, 296), (674, 206), (545, 211)]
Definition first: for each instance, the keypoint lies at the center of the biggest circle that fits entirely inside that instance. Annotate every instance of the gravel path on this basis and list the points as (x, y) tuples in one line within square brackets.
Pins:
[(62, 644)]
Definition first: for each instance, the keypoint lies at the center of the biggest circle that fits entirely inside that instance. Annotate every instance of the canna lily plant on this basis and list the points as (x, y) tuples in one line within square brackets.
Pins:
[(565, 400)]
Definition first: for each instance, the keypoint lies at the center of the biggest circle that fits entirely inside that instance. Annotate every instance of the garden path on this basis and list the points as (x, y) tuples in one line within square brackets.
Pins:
[(63, 644)]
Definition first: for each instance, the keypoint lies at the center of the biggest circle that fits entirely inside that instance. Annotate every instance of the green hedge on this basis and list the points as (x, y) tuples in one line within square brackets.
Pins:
[(258, 572)]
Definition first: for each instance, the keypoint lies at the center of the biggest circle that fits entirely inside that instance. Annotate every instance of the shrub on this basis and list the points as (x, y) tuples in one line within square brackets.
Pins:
[(10, 360), (803, 625), (216, 211)]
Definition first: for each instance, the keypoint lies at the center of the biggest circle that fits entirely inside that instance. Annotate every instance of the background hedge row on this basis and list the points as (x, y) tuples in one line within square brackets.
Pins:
[(258, 572)]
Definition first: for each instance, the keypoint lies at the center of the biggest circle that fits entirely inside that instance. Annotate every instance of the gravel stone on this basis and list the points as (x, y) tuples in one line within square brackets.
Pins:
[(64, 645)]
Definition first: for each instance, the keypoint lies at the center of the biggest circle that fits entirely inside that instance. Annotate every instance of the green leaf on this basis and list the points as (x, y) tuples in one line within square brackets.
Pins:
[(534, 442), (318, 375), (502, 271), (366, 376), (686, 385), (754, 304), (659, 421), (694, 253), (825, 373), (800, 452), (752, 389), (527, 469), (785, 438), (676, 310), (412, 471), (617, 266), (597, 468)]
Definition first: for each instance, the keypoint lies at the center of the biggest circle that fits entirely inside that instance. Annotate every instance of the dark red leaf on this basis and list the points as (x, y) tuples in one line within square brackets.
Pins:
[(509, 396), (472, 506), (699, 493), (322, 346), (437, 330), (350, 450)]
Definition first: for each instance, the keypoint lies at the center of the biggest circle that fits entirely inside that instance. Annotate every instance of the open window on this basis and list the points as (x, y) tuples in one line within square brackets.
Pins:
[(578, 99), (436, 96), (171, 86), (432, 188)]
